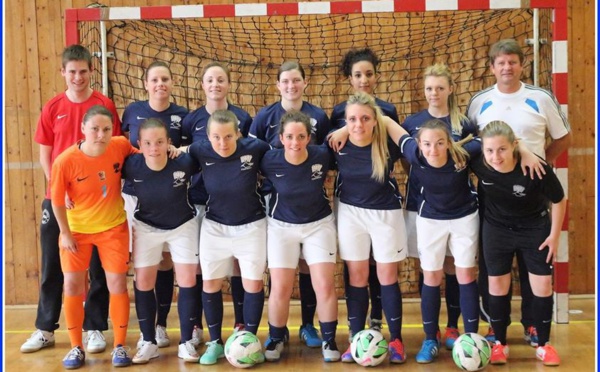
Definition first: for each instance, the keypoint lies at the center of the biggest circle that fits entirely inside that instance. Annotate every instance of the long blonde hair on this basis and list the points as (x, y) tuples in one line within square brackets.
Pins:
[(379, 147), (456, 117), (499, 128), (457, 153)]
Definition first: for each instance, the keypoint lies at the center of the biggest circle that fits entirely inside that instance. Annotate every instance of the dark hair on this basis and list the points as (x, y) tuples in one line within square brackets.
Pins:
[(97, 110), (153, 123), (288, 66), (357, 55), (156, 64), (76, 52), (216, 64), (294, 116), (223, 117), (506, 46)]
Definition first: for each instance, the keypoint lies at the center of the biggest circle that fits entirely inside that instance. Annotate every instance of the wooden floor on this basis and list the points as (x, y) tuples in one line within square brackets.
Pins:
[(575, 343)]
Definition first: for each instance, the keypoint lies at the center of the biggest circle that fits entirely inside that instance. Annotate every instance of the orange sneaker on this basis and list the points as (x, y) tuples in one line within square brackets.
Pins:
[(451, 335), (499, 353), (396, 352), (548, 355)]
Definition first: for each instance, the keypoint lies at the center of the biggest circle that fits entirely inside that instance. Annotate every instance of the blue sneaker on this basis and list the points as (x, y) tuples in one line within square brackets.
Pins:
[(214, 352), (74, 359), (451, 336), (491, 336), (428, 351), (531, 336), (120, 358), (310, 336)]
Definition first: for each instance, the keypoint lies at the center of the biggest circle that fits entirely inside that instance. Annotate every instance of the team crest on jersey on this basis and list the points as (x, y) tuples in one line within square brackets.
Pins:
[(246, 162), (175, 122), (518, 191), (313, 125), (45, 216), (102, 175), (178, 178), (117, 167), (317, 172)]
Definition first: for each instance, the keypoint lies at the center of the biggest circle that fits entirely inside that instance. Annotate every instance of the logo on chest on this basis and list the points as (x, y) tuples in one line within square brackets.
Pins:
[(317, 172), (178, 178), (518, 191), (246, 161)]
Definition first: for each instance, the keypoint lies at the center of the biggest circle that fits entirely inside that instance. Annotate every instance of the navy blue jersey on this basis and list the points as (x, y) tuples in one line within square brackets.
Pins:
[(412, 124), (515, 200), (445, 193), (298, 191), (232, 182), (193, 129), (137, 112), (265, 125), (162, 197), (354, 185), (338, 115)]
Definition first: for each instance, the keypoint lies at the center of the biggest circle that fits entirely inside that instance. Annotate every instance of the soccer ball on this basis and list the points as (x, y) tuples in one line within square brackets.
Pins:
[(471, 352), (369, 348), (243, 349)]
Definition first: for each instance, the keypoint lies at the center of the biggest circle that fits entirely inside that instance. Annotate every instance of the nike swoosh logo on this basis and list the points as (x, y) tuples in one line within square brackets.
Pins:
[(431, 321), (199, 128), (213, 325), (81, 179), (208, 164), (342, 153), (487, 183), (331, 254), (273, 126), (123, 326), (472, 320), (279, 175), (61, 116), (352, 318), (394, 319), (134, 180), (140, 118)]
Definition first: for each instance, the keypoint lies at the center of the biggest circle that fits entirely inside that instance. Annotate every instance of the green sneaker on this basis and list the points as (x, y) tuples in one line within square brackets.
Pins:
[(214, 351)]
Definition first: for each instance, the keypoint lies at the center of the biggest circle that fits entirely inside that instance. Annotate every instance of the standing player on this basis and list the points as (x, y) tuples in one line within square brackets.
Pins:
[(216, 81), (159, 84), (59, 127), (159, 181), (234, 224), (531, 112), (516, 218), (370, 217), (89, 172), (360, 67), (447, 220), (301, 222), (440, 94), (291, 82)]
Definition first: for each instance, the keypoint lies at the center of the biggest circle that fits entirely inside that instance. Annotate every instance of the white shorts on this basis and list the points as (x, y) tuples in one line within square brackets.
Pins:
[(219, 244), (460, 236), (130, 204), (360, 228), (410, 219), (148, 243), (314, 241)]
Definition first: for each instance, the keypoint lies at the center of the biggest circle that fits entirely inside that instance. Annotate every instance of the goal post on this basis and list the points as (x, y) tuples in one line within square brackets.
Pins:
[(254, 39)]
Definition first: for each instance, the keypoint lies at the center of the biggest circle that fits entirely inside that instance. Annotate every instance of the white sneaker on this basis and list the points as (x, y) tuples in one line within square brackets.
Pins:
[(95, 342), (273, 350), (145, 353), (162, 339), (38, 340), (188, 352), (197, 336), (330, 351), (140, 342)]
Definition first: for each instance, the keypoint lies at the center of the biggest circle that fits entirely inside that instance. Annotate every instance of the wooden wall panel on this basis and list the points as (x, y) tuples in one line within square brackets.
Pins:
[(32, 78)]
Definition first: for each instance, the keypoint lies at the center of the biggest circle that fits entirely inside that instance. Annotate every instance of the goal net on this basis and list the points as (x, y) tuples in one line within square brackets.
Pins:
[(253, 47)]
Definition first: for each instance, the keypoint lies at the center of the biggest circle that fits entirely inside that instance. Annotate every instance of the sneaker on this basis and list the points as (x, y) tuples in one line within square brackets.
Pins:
[(273, 350), (38, 340), (187, 352), (145, 353), (310, 336), (451, 335), (376, 324), (95, 342), (214, 352), (531, 336), (197, 336), (429, 350), (238, 327), (286, 337), (120, 358), (548, 355), (162, 338), (330, 351), (499, 353), (74, 358), (491, 336), (396, 351), (347, 356)]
